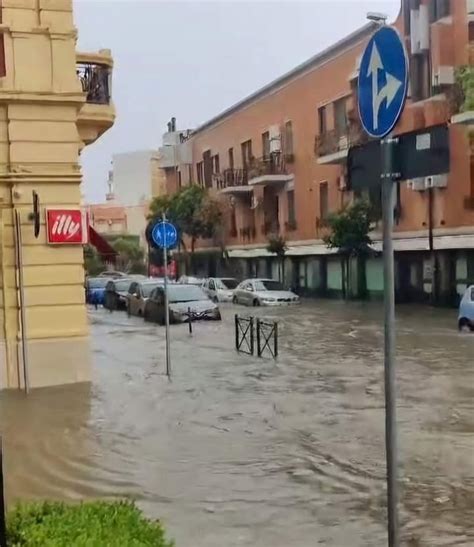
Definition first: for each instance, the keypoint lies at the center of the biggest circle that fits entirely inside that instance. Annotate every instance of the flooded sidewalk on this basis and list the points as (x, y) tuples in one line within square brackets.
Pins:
[(241, 451)]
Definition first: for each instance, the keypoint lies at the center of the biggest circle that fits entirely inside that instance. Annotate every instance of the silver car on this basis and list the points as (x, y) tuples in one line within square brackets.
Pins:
[(182, 300), (263, 292), (220, 289), (138, 294)]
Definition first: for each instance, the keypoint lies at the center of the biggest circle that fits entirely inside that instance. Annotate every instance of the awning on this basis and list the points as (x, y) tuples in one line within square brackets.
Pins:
[(106, 251), (399, 244)]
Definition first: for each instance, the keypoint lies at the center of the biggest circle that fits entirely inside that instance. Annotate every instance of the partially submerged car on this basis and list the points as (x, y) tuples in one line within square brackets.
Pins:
[(95, 290), (183, 299), (263, 292), (466, 310), (220, 289), (116, 291), (138, 294)]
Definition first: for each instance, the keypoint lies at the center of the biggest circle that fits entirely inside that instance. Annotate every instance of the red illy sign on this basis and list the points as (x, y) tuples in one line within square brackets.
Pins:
[(66, 226)]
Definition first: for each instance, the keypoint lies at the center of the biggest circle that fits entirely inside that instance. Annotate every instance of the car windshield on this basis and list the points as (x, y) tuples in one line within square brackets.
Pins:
[(268, 285), (185, 293), (122, 285), (148, 287), (226, 284), (97, 283)]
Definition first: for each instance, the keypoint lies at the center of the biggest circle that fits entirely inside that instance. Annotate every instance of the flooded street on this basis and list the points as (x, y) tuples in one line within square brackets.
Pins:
[(241, 451)]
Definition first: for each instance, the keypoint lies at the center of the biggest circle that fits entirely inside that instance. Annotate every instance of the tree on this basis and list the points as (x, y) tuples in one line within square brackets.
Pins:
[(93, 262), (194, 212), (349, 234), (131, 256), (277, 246)]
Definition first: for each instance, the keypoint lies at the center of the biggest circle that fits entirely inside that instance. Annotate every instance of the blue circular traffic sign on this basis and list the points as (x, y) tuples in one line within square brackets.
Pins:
[(383, 82), (164, 235)]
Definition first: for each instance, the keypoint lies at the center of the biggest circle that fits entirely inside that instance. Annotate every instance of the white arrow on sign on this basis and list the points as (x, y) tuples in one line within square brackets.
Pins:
[(388, 91)]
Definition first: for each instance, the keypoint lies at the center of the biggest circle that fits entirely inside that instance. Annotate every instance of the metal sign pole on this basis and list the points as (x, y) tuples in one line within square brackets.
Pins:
[(167, 313), (388, 202)]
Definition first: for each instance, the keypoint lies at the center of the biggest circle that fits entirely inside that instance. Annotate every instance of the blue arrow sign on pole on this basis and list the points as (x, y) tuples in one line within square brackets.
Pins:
[(165, 235), (383, 82)]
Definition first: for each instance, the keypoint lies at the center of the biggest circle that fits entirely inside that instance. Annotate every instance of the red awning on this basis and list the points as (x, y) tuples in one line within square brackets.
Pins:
[(106, 251)]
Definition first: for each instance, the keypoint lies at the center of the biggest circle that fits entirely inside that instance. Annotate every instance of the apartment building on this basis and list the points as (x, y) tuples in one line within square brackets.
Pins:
[(54, 102), (279, 158)]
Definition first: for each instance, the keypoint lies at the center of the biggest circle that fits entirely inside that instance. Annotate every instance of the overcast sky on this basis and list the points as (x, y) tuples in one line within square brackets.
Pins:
[(192, 59)]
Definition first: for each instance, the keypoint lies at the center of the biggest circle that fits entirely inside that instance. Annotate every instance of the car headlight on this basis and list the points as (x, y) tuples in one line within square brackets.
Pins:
[(269, 299)]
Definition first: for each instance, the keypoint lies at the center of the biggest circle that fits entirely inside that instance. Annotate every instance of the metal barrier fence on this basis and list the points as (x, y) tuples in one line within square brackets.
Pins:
[(266, 334), (267, 338), (244, 335)]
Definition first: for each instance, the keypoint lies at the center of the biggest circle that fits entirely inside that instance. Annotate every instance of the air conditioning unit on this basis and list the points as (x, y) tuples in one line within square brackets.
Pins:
[(444, 75), (436, 181), (342, 183), (275, 138), (417, 185), (470, 7), (420, 30), (343, 142), (256, 202)]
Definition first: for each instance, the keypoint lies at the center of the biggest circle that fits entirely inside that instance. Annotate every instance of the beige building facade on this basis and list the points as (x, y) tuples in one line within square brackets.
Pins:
[(53, 102)]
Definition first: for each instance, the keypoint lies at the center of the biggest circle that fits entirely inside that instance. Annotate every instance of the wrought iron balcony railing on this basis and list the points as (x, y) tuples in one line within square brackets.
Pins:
[(230, 177), (338, 140), (273, 164), (96, 82)]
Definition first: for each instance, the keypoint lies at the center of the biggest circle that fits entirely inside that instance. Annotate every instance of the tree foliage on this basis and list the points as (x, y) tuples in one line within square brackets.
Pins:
[(194, 212), (465, 79), (277, 245), (93, 262), (131, 257), (349, 229)]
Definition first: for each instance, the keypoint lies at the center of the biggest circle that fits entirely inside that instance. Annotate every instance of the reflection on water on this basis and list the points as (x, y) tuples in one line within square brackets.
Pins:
[(237, 451)]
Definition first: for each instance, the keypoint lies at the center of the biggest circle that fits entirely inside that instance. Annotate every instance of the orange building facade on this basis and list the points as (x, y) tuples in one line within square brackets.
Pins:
[(279, 156)]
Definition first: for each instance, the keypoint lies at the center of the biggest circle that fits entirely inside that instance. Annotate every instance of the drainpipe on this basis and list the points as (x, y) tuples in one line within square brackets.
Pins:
[(433, 255)]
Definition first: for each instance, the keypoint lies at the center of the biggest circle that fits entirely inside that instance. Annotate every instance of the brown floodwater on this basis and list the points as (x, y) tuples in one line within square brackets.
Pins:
[(240, 451)]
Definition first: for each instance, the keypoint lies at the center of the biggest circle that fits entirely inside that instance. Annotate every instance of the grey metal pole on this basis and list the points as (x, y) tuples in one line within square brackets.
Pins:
[(167, 313), (388, 202)]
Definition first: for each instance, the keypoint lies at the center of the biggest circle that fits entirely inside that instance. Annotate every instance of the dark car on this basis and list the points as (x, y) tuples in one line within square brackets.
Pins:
[(182, 299), (95, 290), (116, 291)]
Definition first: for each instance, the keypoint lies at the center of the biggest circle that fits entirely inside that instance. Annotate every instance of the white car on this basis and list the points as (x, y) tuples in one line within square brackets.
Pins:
[(220, 289), (263, 292)]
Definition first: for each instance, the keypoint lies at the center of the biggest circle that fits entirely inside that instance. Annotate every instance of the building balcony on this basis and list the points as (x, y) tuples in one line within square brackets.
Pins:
[(232, 181), (97, 114), (269, 170), (247, 234), (270, 227), (332, 147)]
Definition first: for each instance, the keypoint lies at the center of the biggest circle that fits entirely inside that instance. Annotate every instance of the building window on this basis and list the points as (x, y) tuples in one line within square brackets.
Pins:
[(323, 201), (180, 180), (420, 80), (322, 120), (246, 153), (340, 116), (215, 164), (288, 138), (207, 160), (266, 144), (291, 207), (438, 9), (231, 158), (200, 172)]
